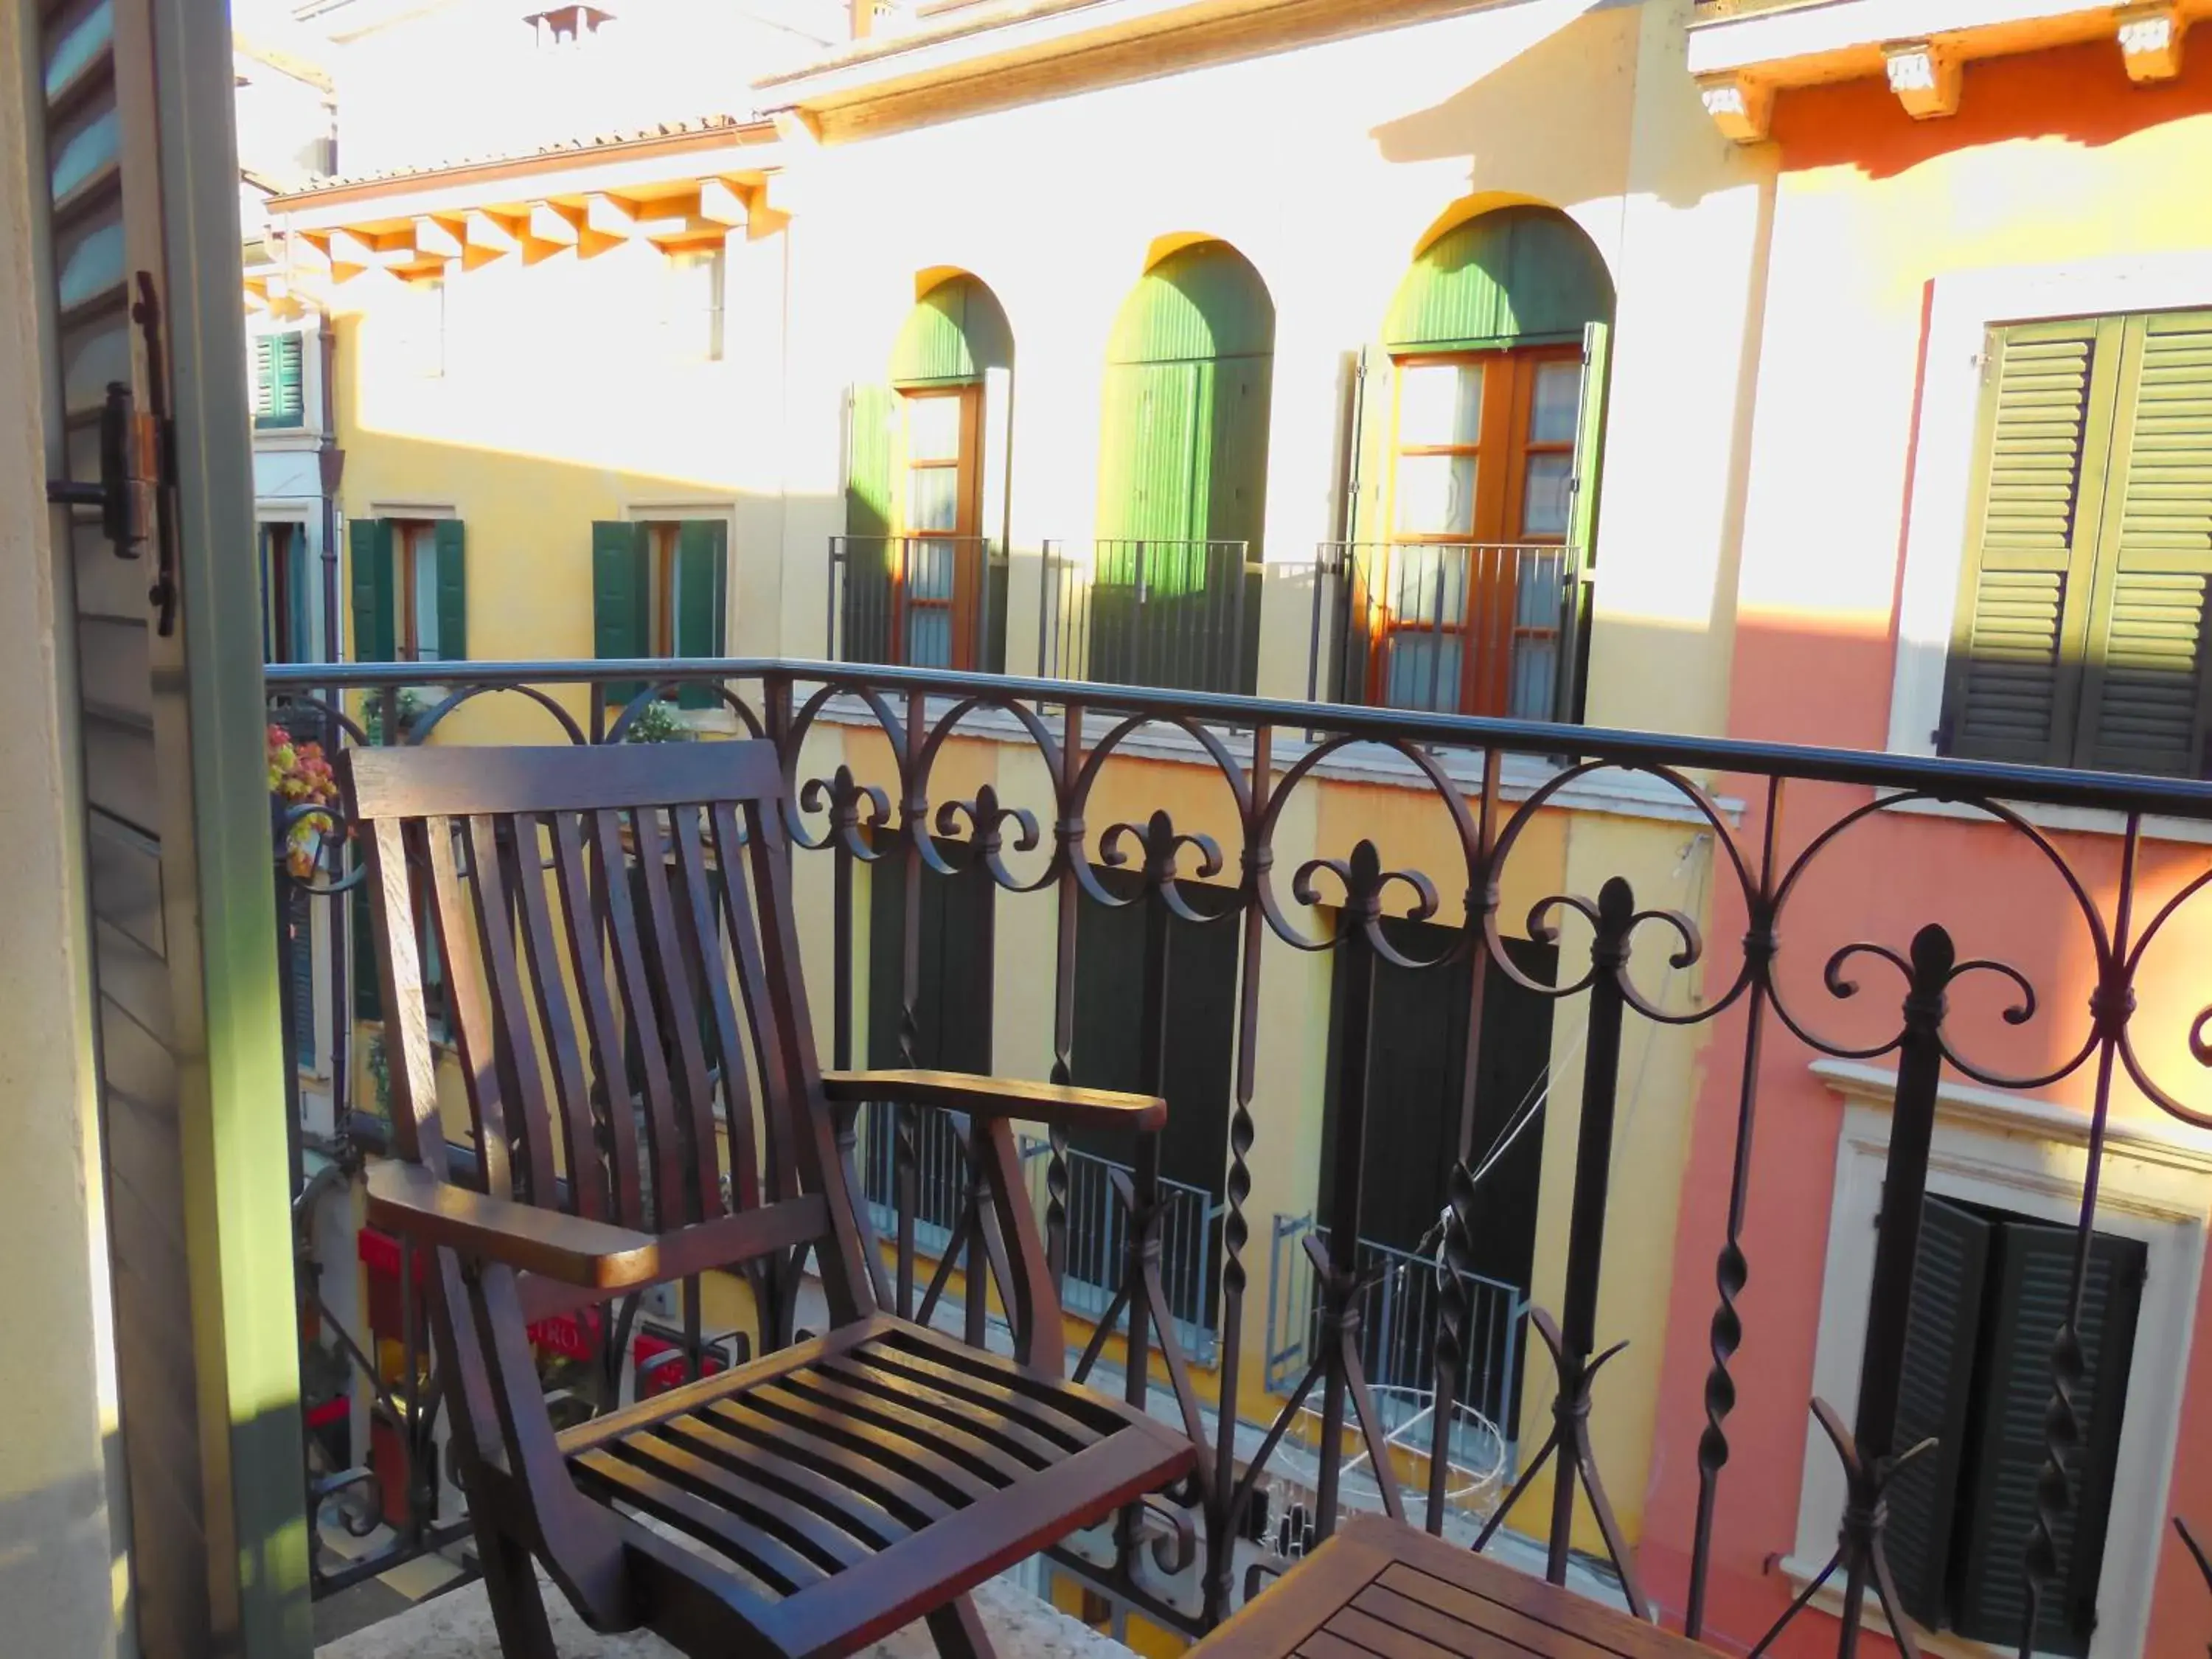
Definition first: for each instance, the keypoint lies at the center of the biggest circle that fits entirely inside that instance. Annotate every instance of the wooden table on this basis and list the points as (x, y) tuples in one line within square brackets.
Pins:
[(1380, 1588)]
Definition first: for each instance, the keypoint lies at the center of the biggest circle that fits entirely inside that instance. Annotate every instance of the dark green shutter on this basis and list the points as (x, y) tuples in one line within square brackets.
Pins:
[(2013, 683), (2034, 1273), (702, 547), (279, 388), (452, 543), (2144, 695), (375, 638), (621, 606), (1934, 1395), (299, 589)]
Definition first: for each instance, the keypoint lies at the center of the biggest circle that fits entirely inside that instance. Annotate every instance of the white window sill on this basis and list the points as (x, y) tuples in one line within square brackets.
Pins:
[(1829, 1599), (2072, 820)]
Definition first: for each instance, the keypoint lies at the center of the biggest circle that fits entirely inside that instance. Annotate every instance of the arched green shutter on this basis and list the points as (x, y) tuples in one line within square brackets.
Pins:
[(1520, 276), (955, 333)]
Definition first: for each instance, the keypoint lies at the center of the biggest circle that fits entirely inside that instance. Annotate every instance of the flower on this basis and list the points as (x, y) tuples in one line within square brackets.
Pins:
[(299, 774)]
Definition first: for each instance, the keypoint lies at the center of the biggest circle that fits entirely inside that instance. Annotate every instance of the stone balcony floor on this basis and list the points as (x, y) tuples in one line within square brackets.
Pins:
[(458, 1626)]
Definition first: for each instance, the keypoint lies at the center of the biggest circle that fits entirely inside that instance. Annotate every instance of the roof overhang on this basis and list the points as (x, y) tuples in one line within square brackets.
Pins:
[(1744, 53)]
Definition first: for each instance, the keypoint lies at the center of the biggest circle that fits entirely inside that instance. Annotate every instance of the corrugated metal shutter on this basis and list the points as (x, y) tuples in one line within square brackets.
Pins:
[(2144, 704), (2013, 678), (955, 332), (1516, 276)]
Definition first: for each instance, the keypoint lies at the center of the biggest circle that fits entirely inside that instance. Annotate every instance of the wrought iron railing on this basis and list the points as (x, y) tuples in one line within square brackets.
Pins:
[(1899, 985), (918, 601), (1175, 616), (1097, 1221), (1398, 1332), (1450, 626)]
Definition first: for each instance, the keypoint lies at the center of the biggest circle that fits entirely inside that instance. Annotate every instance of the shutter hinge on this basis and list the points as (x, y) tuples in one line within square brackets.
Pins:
[(158, 448)]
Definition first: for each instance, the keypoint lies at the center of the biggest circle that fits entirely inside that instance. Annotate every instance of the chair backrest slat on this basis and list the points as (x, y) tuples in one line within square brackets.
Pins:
[(581, 1153), (590, 907), (466, 1004), (580, 911), (699, 917), (641, 1014), (680, 973), (492, 859), (752, 982)]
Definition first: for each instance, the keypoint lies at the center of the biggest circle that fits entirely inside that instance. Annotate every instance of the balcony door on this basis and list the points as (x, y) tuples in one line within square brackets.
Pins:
[(1183, 474), (1481, 466), (939, 570), (1477, 465), (922, 562)]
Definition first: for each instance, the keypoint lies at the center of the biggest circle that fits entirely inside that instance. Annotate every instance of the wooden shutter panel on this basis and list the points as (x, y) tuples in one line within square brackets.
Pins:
[(2034, 1268), (702, 547), (374, 636), (2144, 695), (2013, 683), (368, 999), (265, 378), (1936, 1392), (620, 611), (451, 543)]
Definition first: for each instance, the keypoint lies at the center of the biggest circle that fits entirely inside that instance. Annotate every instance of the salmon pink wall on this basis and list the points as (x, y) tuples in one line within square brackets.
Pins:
[(2053, 156)]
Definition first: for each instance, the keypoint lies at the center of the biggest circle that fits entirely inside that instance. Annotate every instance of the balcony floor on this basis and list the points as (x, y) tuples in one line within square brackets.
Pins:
[(458, 1626)]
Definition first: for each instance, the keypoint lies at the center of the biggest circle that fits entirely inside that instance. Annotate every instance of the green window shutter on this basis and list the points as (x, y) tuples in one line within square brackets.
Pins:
[(2013, 683), (871, 413), (287, 404), (703, 558), (620, 609), (375, 635), (265, 378), (451, 543), (303, 587), (1517, 276), (1934, 1395), (2034, 1271), (2144, 693)]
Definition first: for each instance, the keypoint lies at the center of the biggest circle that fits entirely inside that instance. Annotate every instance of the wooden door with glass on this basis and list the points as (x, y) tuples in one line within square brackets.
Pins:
[(1467, 591), (937, 563)]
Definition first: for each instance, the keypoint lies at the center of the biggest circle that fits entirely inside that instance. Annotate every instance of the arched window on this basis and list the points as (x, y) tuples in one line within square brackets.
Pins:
[(1465, 585), (1182, 473), (923, 557)]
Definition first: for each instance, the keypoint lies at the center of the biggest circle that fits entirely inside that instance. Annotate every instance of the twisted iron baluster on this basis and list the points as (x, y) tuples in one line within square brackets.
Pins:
[(1068, 833), (1224, 1517), (2111, 1005), (1732, 1271)]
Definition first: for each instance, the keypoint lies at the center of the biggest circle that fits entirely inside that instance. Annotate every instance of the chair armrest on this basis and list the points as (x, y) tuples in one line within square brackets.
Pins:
[(408, 1199), (995, 1097)]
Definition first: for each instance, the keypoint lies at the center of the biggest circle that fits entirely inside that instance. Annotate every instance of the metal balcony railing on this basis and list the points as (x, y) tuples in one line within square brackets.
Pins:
[(1964, 973), (1096, 1228), (1450, 626), (1175, 616), (918, 602)]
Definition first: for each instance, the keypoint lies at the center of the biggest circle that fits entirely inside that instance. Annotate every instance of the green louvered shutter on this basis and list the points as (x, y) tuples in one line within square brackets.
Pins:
[(702, 549), (2144, 705), (863, 625), (2012, 686), (374, 636), (451, 543), (2034, 1271), (1933, 1398), (279, 387), (621, 604)]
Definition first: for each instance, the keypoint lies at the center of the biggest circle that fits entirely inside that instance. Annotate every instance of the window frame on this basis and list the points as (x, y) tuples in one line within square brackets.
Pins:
[(1941, 481), (2026, 1155), (410, 537), (962, 605), (1489, 597)]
